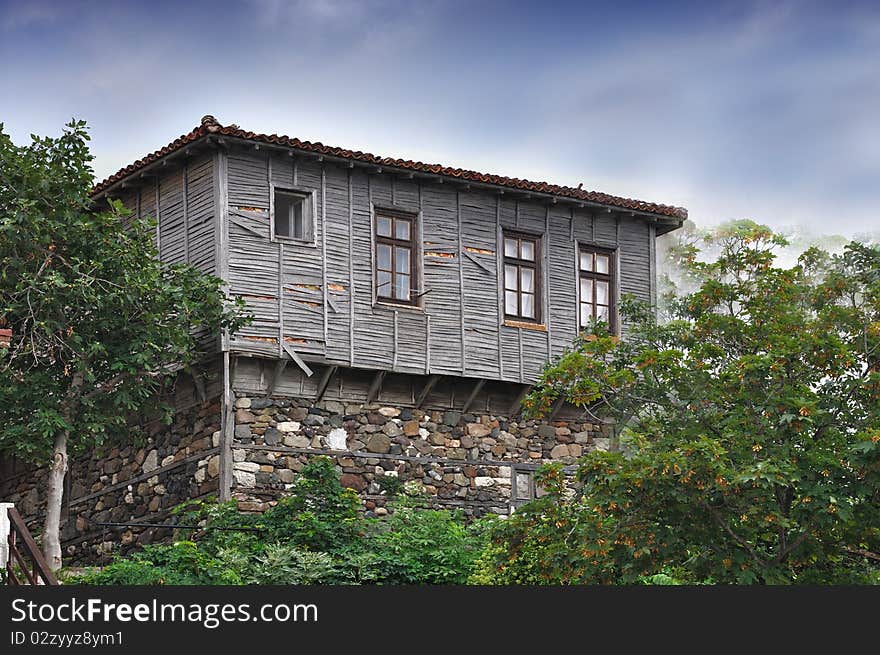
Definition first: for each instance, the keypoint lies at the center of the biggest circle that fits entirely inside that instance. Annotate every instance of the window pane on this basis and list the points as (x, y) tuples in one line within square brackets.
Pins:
[(527, 251), (510, 277), (383, 257), (383, 284), (298, 230), (523, 486), (401, 260), (401, 229), (586, 314), (602, 263), (586, 290), (601, 313), (510, 249), (527, 279), (510, 303), (401, 287), (601, 292), (283, 207), (586, 261), (383, 226), (528, 305)]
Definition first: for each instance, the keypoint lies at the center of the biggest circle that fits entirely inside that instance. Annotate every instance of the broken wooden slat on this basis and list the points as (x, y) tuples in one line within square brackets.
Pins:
[(299, 360)]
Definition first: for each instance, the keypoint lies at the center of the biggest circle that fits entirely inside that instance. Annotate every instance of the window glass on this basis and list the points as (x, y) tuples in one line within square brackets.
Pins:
[(383, 226), (602, 264), (510, 303), (586, 290), (383, 257), (510, 277), (527, 250), (528, 305), (401, 287), (401, 229), (383, 283), (510, 248), (586, 261)]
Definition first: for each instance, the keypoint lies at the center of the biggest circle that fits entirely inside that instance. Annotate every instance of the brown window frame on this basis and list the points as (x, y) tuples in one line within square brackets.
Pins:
[(610, 278), (394, 243), (520, 263)]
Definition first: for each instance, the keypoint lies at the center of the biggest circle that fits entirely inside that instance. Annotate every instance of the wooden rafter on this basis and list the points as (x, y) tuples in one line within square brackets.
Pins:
[(375, 386), (280, 365), (324, 382), (473, 395), (517, 402), (429, 385), (557, 406)]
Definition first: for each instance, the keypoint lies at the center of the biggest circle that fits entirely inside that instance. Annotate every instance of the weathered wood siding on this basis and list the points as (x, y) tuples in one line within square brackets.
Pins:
[(318, 298), (181, 200)]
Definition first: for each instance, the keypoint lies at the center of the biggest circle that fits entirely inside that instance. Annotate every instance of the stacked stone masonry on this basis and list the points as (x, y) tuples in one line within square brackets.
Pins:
[(135, 482), (481, 463), (466, 460)]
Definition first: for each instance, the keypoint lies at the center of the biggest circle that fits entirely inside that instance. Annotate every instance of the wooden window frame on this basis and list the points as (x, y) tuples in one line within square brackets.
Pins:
[(411, 244), (610, 278), (310, 217), (535, 265)]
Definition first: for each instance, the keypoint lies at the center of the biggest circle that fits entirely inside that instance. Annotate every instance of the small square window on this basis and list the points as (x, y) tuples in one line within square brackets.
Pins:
[(292, 215)]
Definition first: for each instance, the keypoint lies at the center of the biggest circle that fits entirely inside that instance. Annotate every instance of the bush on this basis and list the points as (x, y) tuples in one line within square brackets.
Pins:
[(316, 535), (415, 545), (181, 563)]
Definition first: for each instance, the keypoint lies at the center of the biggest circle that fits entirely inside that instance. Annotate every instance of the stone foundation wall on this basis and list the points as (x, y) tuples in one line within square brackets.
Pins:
[(479, 462), (127, 482)]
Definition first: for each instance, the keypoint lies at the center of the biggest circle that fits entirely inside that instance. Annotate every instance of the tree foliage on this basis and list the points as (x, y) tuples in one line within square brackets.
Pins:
[(99, 324), (750, 430)]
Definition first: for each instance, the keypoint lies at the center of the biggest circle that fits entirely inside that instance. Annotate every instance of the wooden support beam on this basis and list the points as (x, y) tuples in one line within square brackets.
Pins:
[(280, 365), (375, 387), (199, 384), (324, 382), (470, 399), (515, 405), (556, 407), (429, 385)]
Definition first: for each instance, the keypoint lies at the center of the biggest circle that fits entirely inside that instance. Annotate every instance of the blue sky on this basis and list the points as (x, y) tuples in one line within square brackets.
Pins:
[(763, 110)]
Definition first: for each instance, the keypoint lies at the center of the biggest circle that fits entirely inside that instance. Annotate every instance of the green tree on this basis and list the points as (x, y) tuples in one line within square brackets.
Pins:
[(99, 324), (750, 429)]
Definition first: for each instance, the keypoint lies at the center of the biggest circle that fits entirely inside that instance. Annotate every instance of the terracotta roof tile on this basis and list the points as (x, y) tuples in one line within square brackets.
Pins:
[(209, 126)]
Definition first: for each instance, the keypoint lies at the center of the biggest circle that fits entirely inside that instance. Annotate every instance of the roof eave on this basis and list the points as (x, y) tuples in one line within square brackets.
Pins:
[(665, 222)]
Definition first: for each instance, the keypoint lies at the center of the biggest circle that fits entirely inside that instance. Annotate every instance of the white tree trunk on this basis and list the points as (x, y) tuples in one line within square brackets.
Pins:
[(54, 496)]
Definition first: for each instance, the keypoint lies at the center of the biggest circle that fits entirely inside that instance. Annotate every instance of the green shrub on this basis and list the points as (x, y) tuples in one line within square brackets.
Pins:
[(180, 563), (415, 545), (317, 535)]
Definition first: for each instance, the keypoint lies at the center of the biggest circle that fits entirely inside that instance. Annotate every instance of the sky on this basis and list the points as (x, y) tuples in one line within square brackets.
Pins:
[(761, 110)]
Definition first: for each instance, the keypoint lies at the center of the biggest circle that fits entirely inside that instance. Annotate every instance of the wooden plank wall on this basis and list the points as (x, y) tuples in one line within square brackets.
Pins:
[(182, 201), (318, 297)]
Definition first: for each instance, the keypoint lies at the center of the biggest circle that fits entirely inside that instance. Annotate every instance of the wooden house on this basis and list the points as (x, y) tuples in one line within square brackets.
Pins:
[(401, 312)]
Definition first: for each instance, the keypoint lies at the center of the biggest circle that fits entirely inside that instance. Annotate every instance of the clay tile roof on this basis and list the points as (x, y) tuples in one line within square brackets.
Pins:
[(210, 126)]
